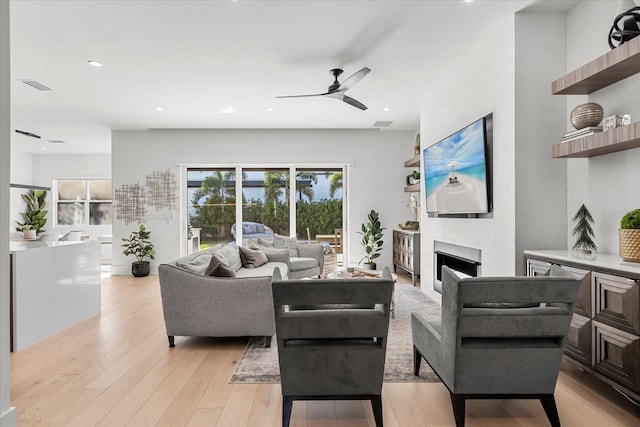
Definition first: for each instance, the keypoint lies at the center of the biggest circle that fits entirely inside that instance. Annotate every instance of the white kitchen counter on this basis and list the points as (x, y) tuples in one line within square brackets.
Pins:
[(54, 285)]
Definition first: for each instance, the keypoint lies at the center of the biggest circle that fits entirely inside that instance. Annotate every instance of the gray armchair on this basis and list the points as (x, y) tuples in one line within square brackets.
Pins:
[(498, 338), (332, 339)]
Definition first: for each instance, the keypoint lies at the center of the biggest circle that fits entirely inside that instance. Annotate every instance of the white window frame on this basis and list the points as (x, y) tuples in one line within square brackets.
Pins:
[(87, 201)]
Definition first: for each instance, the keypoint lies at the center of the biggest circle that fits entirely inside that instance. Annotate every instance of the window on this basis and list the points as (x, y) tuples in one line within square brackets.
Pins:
[(83, 202)]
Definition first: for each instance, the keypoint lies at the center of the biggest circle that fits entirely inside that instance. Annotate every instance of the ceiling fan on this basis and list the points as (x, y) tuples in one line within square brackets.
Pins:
[(337, 90)]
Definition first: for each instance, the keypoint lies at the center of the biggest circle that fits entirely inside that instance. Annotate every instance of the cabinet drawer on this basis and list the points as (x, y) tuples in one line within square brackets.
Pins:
[(617, 355), (579, 340), (584, 301), (537, 268), (617, 302)]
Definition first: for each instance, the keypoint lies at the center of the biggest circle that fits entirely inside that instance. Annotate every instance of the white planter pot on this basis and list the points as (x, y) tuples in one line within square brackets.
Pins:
[(29, 234)]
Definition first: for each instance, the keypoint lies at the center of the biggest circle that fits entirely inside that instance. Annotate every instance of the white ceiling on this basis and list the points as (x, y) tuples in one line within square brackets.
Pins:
[(196, 58)]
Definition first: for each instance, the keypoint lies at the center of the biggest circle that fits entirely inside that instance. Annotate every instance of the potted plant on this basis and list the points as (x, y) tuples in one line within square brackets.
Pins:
[(371, 240), (139, 245), (629, 235), (583, 231), (35, 217)]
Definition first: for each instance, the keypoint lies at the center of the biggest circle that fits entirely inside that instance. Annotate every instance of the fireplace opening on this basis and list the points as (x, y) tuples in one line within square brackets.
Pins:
[(461, 259)]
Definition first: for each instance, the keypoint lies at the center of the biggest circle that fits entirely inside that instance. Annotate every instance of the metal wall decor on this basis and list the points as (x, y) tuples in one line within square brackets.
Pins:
[(160, 192), (128, 203)]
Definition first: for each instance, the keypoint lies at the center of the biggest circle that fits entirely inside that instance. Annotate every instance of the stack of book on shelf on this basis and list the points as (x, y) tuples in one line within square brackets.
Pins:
[(581, 133)]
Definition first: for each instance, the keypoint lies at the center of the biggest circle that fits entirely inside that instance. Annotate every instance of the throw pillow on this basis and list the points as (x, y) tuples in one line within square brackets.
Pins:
[(197, 265), (265, 242), (216, 260), (222, 270), (288, 243), (252, 258)]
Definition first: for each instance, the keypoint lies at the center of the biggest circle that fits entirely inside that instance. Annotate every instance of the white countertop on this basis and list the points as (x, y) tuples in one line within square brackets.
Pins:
[(23, 245), (604, 261)]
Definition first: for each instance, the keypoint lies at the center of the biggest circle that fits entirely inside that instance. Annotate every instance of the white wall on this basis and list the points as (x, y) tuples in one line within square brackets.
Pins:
[(41, 169), (608, 184), (376, 177), (481, 83), (7, 413), (508, 73)]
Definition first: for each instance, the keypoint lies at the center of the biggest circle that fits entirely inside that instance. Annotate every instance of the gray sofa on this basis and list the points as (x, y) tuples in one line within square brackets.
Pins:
[(199, 305)]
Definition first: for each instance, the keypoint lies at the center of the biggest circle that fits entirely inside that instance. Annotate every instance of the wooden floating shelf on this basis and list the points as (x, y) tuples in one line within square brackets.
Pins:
[(413, 163), (613, 66), (412, 188), (610, 141)]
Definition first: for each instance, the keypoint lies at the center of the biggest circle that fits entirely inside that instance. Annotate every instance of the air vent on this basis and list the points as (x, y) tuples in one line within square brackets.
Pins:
[(56, 141), (381, 123), (36, 85), (25, 133)]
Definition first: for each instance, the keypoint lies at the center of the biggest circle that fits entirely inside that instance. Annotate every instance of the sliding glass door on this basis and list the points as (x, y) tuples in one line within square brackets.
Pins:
[(310, 207)]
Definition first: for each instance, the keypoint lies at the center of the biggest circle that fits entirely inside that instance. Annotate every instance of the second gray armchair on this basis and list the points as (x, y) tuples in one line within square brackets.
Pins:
[(498, 338)]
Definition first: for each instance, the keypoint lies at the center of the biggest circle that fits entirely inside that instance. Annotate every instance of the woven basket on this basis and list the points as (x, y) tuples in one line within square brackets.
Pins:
[(630, 244)]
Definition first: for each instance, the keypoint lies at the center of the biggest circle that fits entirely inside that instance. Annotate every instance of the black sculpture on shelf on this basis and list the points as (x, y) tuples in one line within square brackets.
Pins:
[(629, 30)]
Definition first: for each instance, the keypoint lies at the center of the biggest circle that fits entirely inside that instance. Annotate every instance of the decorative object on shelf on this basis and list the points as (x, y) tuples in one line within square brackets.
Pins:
[(139, 245), (409, 225), (416, 146), (585, 115), (581, 133), (583, 231), (629, 235), (414, 205), (629, 30), (371, 240), (615, 121), (414, 178), (35, 217)]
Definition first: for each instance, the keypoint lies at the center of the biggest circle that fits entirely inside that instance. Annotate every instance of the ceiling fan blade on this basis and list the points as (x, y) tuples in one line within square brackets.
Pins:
[(354, 102), (302, 96), (353, 79)]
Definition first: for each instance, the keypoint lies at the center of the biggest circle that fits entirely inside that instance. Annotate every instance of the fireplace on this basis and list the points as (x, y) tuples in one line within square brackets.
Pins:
[(462, 259)]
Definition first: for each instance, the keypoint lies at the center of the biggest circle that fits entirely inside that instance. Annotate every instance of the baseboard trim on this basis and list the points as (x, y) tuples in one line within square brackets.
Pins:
[(9, 418)]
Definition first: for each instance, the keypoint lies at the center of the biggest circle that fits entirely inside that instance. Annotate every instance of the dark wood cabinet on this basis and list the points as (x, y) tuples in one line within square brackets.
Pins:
[(604, 336), (406, 252)]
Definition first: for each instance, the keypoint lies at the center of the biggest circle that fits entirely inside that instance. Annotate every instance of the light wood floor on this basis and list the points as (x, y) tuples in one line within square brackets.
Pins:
[(116, 369)]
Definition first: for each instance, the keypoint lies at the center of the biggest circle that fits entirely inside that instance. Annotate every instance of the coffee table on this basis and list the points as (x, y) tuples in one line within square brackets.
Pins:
[(365, 274)]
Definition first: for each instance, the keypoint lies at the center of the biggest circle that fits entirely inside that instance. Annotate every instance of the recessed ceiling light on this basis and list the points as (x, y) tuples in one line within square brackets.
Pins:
[(94, 63), (270, 109), (159, 109), (228, 110), (43, 148), (467, 1), (386, 109)]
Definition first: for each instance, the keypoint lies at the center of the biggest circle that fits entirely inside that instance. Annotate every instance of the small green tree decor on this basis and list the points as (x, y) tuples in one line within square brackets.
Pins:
[(139, 245), (583, 231), (372, 239)]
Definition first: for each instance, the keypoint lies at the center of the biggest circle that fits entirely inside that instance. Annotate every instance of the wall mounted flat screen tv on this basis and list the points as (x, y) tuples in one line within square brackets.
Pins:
[(456, 172)]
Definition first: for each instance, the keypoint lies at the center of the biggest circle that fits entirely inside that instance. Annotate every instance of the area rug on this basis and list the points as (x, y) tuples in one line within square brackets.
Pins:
[(260, 365)]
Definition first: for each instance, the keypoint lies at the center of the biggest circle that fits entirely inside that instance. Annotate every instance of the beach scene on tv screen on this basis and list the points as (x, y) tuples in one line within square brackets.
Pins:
[(455, 172)]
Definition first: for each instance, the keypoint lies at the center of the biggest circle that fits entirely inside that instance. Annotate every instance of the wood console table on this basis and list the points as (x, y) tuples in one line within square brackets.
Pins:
[(604, 337)]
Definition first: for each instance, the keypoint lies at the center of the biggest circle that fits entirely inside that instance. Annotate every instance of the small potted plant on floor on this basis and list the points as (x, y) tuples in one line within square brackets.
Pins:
[(371, 240), (139, 245), (629, 235), (35, 217)]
